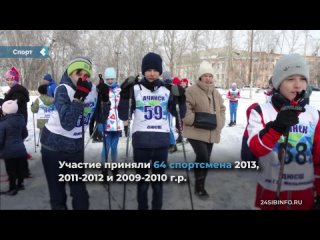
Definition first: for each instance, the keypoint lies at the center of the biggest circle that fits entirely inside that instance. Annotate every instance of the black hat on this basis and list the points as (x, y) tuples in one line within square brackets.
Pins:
[(43, 89), (151, 61)]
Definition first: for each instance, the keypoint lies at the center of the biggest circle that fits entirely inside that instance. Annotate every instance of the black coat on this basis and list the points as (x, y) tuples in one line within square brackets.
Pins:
[(22, 95), (12, 133)]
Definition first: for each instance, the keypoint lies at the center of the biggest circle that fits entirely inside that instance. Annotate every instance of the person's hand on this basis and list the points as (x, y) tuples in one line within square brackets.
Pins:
[(177, 91), (83, 89), (127, 85), (103, 91), (285, 119)]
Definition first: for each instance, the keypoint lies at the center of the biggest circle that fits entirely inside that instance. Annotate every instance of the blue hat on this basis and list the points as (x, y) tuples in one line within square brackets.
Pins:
[(47, 77), (110, 73), (151, 61)]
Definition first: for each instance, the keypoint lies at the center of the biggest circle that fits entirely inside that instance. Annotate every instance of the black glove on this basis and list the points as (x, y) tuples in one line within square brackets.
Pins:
[(103, 91), (177, 91), (316, 205), (285, 119), (127, 85), (83, 88)]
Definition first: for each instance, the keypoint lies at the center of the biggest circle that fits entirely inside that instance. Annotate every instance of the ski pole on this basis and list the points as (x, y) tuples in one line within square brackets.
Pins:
[(175, 92), (101, 81), (34, 133), (127, 148), (39, 138), (294, 106), (282, 162), (91, 136)]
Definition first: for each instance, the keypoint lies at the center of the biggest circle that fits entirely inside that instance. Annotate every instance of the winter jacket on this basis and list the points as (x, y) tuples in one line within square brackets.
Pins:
[(301, 175), (51, 87), (48, 101), (233, 95), (70, 112), (114, 123), (199, 99), (12, 133), (22, 95), (150, 139)]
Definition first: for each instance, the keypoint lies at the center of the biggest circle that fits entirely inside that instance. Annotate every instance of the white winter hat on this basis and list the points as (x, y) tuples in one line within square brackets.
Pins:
[(205, 67), (9, 107), (288, 65)]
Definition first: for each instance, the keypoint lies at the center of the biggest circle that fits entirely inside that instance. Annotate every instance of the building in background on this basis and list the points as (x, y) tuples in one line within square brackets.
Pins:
[(234, 66)]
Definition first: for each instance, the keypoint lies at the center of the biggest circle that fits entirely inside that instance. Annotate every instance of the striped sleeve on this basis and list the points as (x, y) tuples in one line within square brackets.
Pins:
[(261, 137)]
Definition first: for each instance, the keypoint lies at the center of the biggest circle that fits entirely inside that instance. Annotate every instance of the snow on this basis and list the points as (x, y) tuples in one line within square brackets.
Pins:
[(228, 189)]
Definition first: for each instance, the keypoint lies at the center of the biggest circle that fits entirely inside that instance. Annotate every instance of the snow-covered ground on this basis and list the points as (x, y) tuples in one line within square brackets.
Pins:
[(228, 189)]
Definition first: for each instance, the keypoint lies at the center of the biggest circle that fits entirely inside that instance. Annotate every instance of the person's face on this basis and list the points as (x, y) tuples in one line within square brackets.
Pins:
[(75, 75), (151, 75), (293, 85), (207, 78), (183, 84), (10, 82), (110, 81), (44, 82)]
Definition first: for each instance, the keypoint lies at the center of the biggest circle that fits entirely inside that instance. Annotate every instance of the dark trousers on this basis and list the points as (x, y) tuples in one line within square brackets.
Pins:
[(145, 155), (15, 170), (126, 131), (57, 190), (203, 152)]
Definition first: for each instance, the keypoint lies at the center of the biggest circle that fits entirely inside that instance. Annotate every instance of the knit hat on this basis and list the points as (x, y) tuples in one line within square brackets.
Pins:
[(43, 89), (82, 63), (151, 61), (205, 67), (185, 80), (9, 107), (110, 73), (288, 65), (13, 74), (176, 81), (166, 75), (48, 77)]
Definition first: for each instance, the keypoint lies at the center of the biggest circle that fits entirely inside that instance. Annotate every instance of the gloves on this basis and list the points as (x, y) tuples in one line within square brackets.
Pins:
[(127, 85), (83, 88), (103, 91), (316, 205), (177, 91), (285, 119)]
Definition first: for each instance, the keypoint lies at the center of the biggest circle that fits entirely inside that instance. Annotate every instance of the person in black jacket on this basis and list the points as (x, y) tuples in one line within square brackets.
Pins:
[(17, 91), (12, 133), (21, 94), (151, 101)]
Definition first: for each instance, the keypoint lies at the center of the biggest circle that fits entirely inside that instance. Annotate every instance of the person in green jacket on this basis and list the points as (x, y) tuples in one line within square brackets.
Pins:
[(43, 106)]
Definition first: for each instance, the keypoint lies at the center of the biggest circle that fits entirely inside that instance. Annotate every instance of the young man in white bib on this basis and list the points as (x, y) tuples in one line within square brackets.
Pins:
[(151, 104)]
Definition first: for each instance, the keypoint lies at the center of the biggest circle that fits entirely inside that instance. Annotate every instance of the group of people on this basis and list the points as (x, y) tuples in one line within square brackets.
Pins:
[(282, 135)]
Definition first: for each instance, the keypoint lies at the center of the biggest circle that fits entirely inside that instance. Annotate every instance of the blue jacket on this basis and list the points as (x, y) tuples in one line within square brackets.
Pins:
[(51, 87), (150, 139), (69, 113), (12, 133)]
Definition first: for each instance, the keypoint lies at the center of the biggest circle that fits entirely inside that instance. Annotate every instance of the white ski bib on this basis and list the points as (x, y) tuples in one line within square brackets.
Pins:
[(54, 125), (151, 114), (44, 110), (298, 170)]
